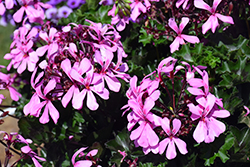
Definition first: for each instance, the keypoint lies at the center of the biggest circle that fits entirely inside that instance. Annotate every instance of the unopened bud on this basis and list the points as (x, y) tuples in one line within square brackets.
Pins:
[(230, 7), (116, 11), (127, 1), (127, 6)]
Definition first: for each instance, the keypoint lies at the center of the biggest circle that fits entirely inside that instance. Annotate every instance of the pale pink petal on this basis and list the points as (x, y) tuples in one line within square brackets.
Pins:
[(52, 33), (75, 75), (151, 135), (195, 110), (200, 132), (175, 44), (53, 112), (66, 66), (121, 24), (137, 132), (171, 151), (176, 125), (221, 113), (143, 139), (165, 124), (92, 152), (36, 163), (91, 101), (196, 82), (76, 153), (173, 25), (184, 22), (179, 2), (26, 149), (214, 22), (202, 5), (19, 15), (226, 19), (207, 25), (78, 98), (195, 91), (22, 66), (113, 83), (50, 86), (53, 48), (83, 163), (2, 8), (216, 3), (68, 95), (216, 126), (163, 144), (210, 103), (41, 50), (45, 116), (44, 36), (190, 38), (14, 94), (182, 146)]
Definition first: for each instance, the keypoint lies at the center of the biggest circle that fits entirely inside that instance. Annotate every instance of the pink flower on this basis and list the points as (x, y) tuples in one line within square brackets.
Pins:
[(33, 11), (52, 46), (22, 55), (180, 37), (116, 19), (206, 111), (172, 140), (136, 8), (35, 106), (91, 84), (144, 135), (28, 151), (212, 21), (81, 163), (104, 58), (6, 82)]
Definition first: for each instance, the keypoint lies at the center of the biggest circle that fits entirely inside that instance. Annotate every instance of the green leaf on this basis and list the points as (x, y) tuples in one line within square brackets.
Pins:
[(122, 143), (145, 38), (240, 43), (185, 53), (92, 4), (146, 164), (244, 119)]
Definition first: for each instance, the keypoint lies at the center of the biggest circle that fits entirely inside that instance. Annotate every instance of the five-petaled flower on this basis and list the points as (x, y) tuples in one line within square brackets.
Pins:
[(180, 37), (172, 139), (212, 21)]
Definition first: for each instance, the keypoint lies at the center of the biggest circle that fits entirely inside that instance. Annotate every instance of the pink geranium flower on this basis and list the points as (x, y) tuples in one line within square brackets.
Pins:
[(172, 140), (212, 21), (28, 151), (52, 46), (81, 163), (180, 37), (208, 127)]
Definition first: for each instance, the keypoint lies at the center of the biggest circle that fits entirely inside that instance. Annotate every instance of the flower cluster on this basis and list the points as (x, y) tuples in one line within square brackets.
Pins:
[(80, 61), (160, 126), (13, 138), (7, 82), (124, 11)]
